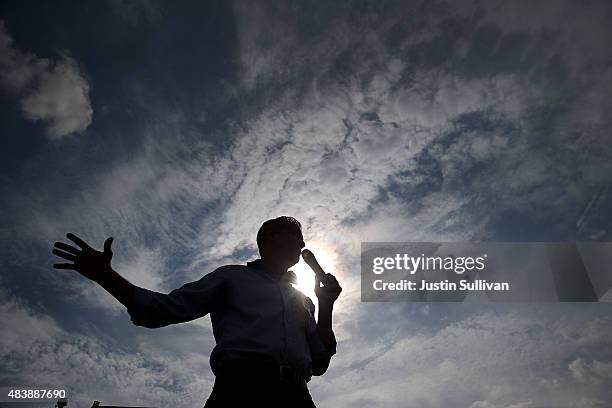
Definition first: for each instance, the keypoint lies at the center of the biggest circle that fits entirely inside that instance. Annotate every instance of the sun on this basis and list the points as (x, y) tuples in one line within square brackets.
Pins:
[(327, 258)]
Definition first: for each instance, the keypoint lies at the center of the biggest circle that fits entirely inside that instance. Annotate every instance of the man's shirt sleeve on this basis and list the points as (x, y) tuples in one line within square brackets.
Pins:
[(192, 300), (320, 355)]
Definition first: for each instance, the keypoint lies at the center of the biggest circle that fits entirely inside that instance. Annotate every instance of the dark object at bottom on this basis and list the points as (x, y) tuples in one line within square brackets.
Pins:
[(249, 384), (96, 404)]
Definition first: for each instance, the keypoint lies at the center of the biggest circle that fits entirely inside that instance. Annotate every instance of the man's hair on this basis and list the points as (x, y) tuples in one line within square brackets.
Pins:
[(275, 226)]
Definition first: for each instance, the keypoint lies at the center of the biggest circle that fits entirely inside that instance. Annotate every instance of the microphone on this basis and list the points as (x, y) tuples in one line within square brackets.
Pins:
[(310, 259)]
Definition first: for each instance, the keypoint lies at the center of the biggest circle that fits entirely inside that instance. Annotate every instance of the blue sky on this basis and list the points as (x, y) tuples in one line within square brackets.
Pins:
[(179, 129)]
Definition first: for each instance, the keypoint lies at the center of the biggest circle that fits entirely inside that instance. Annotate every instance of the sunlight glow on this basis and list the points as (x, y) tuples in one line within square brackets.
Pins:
[(327, 258)]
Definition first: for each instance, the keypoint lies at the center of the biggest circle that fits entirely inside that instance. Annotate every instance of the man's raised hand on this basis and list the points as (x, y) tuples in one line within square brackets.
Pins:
[(330, 290), (87, 261)]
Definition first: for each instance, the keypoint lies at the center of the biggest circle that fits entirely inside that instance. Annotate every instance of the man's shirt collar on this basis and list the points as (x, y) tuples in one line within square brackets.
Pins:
[(288, 276)]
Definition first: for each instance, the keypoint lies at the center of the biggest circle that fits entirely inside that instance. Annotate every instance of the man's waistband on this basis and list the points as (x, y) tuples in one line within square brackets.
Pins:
[(260, 371)]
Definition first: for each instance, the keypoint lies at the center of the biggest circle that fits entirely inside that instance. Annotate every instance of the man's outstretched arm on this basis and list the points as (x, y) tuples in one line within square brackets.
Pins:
[(94, 265), (118, 286), (146, 308), (192, 300)]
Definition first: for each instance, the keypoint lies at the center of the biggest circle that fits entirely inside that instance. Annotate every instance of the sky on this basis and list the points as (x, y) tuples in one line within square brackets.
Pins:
[(178, 128)]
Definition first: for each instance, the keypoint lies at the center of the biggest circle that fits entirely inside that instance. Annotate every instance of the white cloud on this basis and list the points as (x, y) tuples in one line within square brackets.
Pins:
[(55, 92), (35, 350), (595, 371), (486, 360), (61, 99), (20, 326)]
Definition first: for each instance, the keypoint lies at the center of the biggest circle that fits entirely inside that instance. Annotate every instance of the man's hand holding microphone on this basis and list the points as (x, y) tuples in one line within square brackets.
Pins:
[(329, 292), (327, 295)]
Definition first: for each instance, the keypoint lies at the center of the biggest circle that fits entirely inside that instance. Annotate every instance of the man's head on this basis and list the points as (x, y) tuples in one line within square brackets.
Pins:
[(280, 241)]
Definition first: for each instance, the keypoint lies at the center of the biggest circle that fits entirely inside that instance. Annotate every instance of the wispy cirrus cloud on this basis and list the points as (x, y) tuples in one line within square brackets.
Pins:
[(400, 144)]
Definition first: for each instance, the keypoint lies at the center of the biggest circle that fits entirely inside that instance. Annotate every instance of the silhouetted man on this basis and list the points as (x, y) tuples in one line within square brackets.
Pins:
[(268, 344)]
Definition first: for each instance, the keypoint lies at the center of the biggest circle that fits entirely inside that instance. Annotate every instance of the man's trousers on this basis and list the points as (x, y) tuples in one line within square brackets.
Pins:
[(240, 391)]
